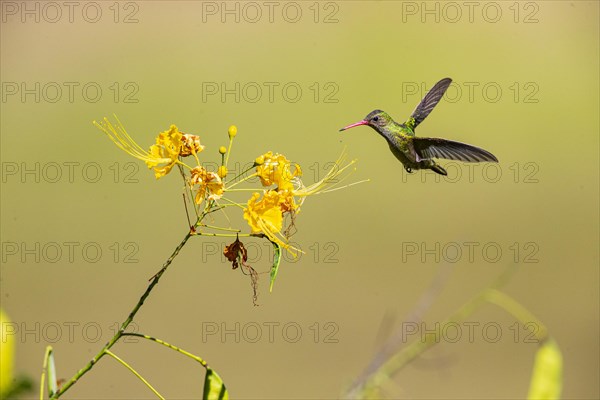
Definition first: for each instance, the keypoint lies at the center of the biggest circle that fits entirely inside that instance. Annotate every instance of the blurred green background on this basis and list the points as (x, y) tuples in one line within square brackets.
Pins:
[(533, 72)]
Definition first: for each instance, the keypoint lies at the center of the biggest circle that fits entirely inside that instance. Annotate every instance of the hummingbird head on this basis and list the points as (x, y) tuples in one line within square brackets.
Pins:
[(376, 119)]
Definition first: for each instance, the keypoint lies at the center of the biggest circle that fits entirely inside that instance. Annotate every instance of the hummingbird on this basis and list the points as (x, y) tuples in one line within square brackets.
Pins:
[(418, 152)]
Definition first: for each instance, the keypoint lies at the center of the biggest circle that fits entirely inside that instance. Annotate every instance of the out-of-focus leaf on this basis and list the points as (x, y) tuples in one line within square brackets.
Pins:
[(20, 386), (214, 388), (276, 262), (546, 381), (8, 332)]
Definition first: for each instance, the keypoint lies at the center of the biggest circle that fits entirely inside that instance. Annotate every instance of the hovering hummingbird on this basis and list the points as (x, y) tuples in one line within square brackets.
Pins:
[(416, 152)]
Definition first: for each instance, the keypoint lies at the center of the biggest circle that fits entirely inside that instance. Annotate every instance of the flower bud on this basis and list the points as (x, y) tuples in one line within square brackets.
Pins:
[(232, 131), (222, 149), (222, 171), (260, 160)]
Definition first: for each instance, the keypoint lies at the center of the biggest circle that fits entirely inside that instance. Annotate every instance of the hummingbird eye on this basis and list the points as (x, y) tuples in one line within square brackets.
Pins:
[(375, 119)]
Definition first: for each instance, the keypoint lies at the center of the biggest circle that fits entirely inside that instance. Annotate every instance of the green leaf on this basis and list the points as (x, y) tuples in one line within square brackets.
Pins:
[(214, 388), (276, 262), (52, 386), (546, 380)]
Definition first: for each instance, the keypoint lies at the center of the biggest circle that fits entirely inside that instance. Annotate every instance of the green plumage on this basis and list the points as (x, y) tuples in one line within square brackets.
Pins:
[(418, 153)]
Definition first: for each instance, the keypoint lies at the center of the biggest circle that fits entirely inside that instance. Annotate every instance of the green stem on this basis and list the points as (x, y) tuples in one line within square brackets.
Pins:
[(220, 207), (183, 164), (129, 367), (228, 151), (219, 228), (232, 203), (241, 173), (190, 192), (511, 306), (241, 181), (185, 353), (223, 234), (125, 324), (44, 368)]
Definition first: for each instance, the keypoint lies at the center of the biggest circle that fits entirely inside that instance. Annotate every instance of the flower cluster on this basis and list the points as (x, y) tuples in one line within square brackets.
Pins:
[(281, 192)]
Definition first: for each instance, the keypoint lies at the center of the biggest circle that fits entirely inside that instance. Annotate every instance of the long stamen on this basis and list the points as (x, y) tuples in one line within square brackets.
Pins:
[(121, 139)]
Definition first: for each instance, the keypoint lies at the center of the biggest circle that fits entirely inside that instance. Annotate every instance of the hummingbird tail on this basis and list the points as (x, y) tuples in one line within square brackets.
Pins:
[(439, 169)]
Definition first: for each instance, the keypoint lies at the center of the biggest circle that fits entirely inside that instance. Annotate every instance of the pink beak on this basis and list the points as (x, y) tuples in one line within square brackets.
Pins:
[(359, 123)]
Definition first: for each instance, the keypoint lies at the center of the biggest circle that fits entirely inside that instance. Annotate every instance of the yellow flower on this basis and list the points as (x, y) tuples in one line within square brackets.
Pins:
[(190, 144), (275, 169), (167, 147), (209, 182), (265, 215), (162, 156)]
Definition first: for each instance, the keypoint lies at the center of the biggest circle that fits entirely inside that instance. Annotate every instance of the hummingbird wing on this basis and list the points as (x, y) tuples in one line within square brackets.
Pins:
[(427, 148), (428, 103)]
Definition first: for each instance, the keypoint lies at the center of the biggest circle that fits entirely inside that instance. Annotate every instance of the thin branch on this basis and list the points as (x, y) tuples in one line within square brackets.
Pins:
[(172, 347), (187, 214), (219, 228), (141, 378), (241, 173), (107, 346), (514, 308)]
